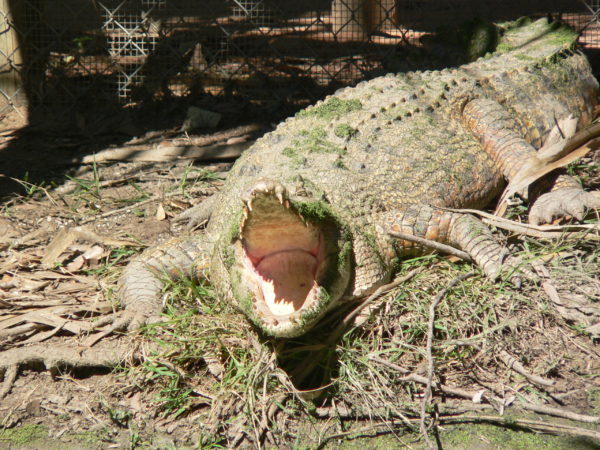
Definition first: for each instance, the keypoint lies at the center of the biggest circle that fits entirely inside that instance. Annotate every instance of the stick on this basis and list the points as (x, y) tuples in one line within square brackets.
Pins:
[(374, 296), (549, 410), (9, 378), (430, 367), (515, 365), (539, 231), (537, 425), (453, 418), (432, 244)]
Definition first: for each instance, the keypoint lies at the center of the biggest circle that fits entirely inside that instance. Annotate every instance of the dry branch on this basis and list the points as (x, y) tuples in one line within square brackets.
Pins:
[(60, 358), (584, 231), (515, 365), (452, 417), (432, 244), (167, 152), (542, 409)]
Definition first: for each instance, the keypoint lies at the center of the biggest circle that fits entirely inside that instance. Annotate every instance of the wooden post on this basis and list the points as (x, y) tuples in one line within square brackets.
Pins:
[(11, 58), (348, 20), (384, 15), (356, 20)]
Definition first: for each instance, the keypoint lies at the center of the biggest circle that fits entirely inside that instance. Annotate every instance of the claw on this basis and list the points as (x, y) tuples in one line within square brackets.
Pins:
[(563, 202), (512, 269), (120, 321), (198, 215)]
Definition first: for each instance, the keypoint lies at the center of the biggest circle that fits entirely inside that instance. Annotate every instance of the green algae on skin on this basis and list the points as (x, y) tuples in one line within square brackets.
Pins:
[(344, 131), (332, 108), (311, 141)]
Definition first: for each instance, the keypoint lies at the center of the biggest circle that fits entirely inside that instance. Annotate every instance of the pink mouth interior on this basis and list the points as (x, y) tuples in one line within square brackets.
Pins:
[(287, 278), (283, 255)]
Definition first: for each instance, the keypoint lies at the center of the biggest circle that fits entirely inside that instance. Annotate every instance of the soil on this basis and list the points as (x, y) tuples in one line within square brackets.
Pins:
[(134, 203)]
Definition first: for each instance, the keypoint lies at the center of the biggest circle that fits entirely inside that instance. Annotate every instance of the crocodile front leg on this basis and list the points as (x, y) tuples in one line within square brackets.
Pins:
[(499, 134), (141, 284), (459, 230)]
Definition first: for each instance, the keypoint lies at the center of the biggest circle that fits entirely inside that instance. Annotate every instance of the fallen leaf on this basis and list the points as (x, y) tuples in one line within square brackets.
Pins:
[(537, 168), (160, 212), (76, 265), (478, 396), (93, 255), (68, 236)]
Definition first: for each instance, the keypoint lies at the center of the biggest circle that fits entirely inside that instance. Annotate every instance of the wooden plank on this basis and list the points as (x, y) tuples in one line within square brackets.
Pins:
[(11, 59)]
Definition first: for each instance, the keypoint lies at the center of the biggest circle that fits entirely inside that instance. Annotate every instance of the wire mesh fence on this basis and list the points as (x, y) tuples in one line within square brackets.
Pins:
[(67, 55)]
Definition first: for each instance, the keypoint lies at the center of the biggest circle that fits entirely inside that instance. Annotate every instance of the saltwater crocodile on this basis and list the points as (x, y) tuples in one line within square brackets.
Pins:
[(303, 220)]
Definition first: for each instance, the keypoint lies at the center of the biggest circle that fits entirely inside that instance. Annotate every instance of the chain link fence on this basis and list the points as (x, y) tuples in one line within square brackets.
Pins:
[(63, 56)]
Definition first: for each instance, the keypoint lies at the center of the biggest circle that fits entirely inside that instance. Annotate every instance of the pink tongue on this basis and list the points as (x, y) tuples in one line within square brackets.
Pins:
[(289, 276)]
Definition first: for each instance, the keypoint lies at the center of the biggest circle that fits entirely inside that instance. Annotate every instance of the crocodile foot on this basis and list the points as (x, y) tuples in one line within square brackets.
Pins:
[(563, 202), (514, 270), (198, 215), (121, 321)]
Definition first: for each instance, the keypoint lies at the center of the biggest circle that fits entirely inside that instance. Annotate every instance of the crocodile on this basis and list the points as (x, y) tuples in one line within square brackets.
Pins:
[(305, 218)]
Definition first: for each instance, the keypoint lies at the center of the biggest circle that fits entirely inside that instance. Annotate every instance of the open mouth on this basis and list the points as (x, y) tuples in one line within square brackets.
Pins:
[(283, 254)]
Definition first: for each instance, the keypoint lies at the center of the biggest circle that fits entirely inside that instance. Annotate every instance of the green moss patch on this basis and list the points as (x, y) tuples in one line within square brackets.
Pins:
[(311, 141), (22, 435), (316, 212), (294, 154), (344, 131), (332, 108), (537, 33)]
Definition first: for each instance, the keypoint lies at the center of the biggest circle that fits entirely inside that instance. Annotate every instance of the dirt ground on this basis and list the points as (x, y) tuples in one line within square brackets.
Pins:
[(512, 366)]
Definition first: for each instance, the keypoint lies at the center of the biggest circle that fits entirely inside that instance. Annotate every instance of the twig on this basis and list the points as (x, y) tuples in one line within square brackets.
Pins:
[(430, 367), (523, 229), (379, 428), (549, 410), (358, 413), (9, 378), (457, 392), (19, 330), (515, 365), (536, 425), (432, 244), (269, 416), (154, 198), (539, 231), (454, 418), (477, 337), (557, 412)]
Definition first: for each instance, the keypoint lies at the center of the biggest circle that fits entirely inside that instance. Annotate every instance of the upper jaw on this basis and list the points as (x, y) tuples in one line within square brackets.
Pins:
[(283, 260)]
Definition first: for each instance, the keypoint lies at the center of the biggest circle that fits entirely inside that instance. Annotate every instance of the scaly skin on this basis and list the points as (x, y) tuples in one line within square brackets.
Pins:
[(382, 156)]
